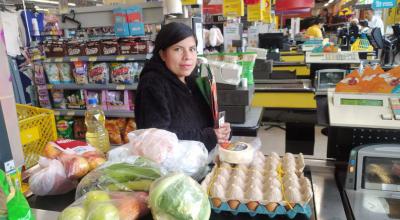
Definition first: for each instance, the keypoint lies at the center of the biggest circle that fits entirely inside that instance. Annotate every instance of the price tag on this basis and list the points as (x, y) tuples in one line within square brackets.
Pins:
[(74, 59), (92, 59), (70, 113), (56, 113), (120, 58), (120, 87), (60, 59)]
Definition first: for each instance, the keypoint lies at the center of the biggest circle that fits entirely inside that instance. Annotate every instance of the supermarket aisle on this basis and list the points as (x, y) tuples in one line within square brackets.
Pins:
[(273, 139)]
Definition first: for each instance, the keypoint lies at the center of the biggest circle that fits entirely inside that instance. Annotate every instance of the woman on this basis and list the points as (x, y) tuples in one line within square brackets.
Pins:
[(168, 97), (315, 30)]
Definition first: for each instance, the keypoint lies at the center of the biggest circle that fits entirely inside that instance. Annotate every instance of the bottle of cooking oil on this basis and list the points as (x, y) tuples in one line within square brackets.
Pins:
[(96, 134)]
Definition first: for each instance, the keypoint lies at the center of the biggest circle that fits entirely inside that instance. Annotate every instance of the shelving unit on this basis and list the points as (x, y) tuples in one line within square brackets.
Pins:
[(73, 86), (135, 57), (114, 113)]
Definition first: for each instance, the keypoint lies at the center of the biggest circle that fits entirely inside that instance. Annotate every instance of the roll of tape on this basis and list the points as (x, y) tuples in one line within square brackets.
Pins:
[(237, 153)]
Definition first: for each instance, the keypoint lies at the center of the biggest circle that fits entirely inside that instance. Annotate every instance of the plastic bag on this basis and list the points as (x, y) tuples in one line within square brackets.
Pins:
[(51, 179), (178, 197), (128, 174), (17, 206), (163, 147), (107, 206)]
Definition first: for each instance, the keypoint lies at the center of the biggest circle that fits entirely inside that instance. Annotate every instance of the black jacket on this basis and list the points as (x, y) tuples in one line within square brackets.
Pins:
[(163, 101)]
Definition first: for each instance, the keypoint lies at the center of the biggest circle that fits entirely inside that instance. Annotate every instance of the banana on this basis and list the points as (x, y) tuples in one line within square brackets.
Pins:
[(124, 172)]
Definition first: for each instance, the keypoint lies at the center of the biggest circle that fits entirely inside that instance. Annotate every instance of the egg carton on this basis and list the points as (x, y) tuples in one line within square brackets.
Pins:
[(280, 210)]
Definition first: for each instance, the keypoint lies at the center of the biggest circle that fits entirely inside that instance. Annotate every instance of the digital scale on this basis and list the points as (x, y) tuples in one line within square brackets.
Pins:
[(372, 186), (365, 110)]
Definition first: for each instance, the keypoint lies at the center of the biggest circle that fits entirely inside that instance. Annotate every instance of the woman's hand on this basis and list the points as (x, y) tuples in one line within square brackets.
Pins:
[(223, 133)]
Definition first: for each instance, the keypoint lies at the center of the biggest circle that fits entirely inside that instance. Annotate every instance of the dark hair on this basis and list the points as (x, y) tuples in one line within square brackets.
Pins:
[(169, 35), (364, 23)]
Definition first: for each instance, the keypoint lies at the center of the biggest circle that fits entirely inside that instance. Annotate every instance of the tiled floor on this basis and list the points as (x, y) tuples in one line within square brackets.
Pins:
[(273, 139)]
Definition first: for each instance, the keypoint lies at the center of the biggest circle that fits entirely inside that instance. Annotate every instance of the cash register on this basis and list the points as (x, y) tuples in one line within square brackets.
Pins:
[(372, 187)]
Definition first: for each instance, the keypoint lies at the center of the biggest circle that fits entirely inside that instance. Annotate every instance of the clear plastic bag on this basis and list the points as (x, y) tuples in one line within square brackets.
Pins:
[(107, 206), (131, 173), (51, 179), (163, 147), (178, 197)]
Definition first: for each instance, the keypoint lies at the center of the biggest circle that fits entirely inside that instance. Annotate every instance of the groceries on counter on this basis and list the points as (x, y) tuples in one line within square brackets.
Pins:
[(126, 174), (178, 197), (96, 133), (13, 204), (371, 80), (64, 162), (236, 153), (119, 128), (101, 205), (268, 185), (163, 147)]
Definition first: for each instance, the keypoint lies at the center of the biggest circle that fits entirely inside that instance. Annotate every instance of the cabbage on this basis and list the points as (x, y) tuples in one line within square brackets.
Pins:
[(178, 197)]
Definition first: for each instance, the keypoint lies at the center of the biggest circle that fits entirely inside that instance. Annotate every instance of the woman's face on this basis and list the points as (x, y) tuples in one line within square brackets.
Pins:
[(181, 57)]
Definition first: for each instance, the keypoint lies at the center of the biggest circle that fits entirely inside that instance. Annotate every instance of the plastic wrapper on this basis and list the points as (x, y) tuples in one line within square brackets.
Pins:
[(58, 99), (65, 72), (98, 73), (178, 197), (107, 206), (122, 73), (164, 148), (128, 174), (17, 208), (80, 72), (64, 127), (75, 99), (52, 73), (50, 179)]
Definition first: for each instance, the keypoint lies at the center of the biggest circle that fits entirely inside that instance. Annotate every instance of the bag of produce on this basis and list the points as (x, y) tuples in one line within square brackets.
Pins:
[(130, 174), (13, 205), (50, 179), (164, 148), (101, 205), (178, 197)]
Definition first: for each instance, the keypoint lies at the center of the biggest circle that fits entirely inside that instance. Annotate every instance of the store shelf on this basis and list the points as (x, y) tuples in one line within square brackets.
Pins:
[(135, 57), (73, 86), (71, 112)]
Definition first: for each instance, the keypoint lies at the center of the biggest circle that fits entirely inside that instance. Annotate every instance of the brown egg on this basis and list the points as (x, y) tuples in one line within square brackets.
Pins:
[(233, 204), (252, 205)]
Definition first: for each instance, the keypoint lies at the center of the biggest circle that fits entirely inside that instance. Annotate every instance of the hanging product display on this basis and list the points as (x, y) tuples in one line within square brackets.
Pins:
[(233, 8)]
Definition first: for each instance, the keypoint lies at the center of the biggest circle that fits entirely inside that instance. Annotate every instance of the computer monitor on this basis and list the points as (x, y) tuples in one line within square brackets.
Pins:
[(375, 38), (270, 40)]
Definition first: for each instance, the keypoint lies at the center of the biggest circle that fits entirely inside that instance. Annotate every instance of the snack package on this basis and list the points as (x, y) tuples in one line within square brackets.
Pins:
[(130, 126), (119, 100), (122, 174), (114, 131), (52, 73), (75, 99), (50, 179), (93, 48), (122, 73), (110, 47), (107, 205), (40, 79), (64, 127), (43, 94), (178, 197), (64, 70), (98, 73), (17, 207), (79, 128), (75, 48), (163, 147), (58, 99), (80, 72), (99, 95)]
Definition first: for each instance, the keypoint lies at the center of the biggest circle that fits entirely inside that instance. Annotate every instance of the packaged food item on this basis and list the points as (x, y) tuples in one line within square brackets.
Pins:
[(128, 46), (93, 48), (58, 99), (110, 47), (40, 79), (75, 48), (144, 46), (80, 72), (75, 99), (55, 48), (64, 127), (114, 131), (122, 73), (119, 100), (98, 73), (130, 126), (52, 73), (36, 52), (64, 70), (79, 128), (99, 95), (107, 205), (44, 98)]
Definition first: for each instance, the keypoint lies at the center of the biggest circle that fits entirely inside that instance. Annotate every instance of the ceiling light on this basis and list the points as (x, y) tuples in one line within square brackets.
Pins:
[(326, 4), (51, 2), (330, 1)]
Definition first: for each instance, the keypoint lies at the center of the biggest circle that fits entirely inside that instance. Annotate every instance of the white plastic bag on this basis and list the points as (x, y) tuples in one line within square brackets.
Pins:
[(51, 179), (163, 147)]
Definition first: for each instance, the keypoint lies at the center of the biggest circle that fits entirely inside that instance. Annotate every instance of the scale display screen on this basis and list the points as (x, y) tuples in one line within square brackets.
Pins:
[(363, 102)]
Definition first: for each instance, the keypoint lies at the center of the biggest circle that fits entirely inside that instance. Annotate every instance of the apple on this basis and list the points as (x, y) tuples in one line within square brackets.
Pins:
[(51, 151), (103, 211), (73, 213), (95, 161), (94, 197)]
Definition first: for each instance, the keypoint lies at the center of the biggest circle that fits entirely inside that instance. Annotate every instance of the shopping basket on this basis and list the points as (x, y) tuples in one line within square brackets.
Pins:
[(37, 127)]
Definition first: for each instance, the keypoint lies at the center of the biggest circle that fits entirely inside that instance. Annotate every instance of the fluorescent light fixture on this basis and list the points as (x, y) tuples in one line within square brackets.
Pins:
[(326, 4), (330, 1), (51, 2)]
